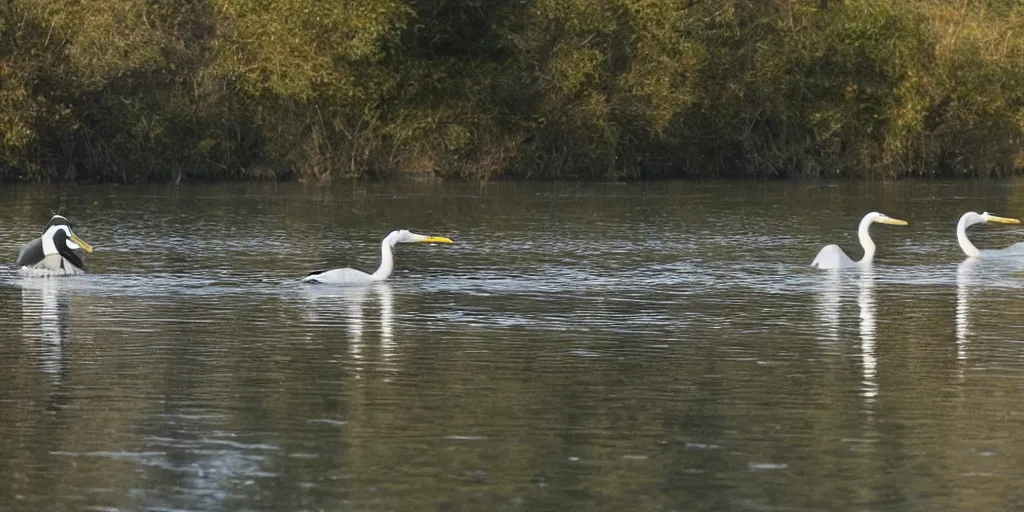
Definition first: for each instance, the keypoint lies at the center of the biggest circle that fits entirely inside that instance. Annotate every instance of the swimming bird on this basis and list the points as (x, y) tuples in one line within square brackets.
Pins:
[(831, 256), (971, 218), (51, 254), (349, 276)]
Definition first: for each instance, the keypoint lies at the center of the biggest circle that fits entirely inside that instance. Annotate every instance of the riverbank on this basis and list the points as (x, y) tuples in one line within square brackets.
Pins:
[(127, 91)]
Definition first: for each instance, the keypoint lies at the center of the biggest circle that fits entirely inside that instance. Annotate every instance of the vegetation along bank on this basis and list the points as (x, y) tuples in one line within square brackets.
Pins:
[(168, 90)]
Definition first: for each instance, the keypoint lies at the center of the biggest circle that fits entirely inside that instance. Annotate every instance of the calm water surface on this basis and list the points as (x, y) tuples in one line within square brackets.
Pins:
[(581, 347)]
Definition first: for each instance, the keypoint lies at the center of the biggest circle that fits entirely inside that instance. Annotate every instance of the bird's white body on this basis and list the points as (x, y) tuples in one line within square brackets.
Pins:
[(53, 265), (351, 276), (971, 218), (343, 276), (832, 256)]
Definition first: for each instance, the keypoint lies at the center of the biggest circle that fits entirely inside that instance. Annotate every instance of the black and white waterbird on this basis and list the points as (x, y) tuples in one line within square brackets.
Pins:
[(52, 254)]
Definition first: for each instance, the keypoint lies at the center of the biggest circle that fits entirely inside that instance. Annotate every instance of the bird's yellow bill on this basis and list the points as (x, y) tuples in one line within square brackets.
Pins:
[(436, 240), (81, 243), (893, 222), (1002, 220)]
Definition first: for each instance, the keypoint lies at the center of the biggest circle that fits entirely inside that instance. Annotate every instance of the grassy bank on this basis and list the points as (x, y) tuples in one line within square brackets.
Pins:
[(161, 90)]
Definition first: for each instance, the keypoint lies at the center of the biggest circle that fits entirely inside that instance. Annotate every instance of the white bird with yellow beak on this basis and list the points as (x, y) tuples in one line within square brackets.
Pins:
[(971, 218), (831, 256), (351, 276)]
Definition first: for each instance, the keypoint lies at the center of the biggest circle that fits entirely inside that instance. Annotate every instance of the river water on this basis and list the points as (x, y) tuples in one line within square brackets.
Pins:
[(655, 346)]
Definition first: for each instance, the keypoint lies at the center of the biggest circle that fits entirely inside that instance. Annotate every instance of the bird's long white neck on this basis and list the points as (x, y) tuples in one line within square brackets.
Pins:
[(49, 247), (387, 262), (865, 240), (965, 243)]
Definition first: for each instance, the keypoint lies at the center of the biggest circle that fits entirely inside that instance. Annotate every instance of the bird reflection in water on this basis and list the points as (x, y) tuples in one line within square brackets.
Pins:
[(828, 308), (868, 307), (351, 304), (46, 322), (966, 277), (830, 293)]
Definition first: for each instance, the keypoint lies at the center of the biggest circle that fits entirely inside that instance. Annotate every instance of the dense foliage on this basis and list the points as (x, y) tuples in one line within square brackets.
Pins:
[(140, 90)]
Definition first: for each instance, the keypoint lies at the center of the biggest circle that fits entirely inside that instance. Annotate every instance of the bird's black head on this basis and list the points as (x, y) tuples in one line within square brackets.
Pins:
[(57, 220)]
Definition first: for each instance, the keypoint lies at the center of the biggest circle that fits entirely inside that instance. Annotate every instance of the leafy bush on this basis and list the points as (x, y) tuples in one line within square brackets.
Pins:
[(155, 90)]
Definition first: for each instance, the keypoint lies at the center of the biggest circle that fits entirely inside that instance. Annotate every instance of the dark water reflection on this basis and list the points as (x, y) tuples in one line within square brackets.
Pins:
[(580, 347)]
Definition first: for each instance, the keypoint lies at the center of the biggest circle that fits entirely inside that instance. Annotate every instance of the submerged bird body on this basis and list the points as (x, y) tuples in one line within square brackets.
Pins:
[(341, 276), (51, 255), (351, 276), (971, 218), (832, 256)]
